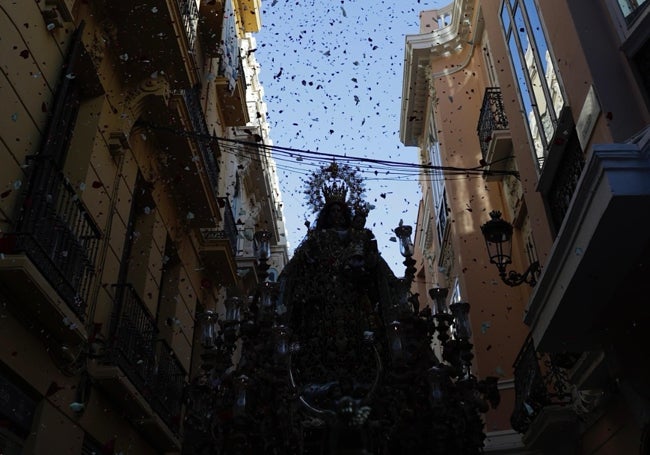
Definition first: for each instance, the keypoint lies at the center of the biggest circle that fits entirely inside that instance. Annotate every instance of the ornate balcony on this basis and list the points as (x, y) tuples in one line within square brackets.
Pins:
[(494, 133), (230, 78), (250, 14), (565, 182), (594, 264), (49, 262), (562, 165), (168, 384), (232, 97), (188, 153), (141, 372), (156, 35), (218, 246), (258, 185), (542, 411), (247, 263), (207, 147), (211, 21)]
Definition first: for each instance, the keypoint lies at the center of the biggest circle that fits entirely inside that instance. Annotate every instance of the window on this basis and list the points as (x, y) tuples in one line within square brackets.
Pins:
[(144, 230), (442, 210), (230, 48), (425, 240), (535, 73), (631, 9), (456, 297), (642, 62), (438, 189), (168, 311), (489, 62)]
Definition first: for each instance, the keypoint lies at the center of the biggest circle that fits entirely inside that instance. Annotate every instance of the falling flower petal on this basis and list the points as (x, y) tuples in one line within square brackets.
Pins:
[(76, 406)]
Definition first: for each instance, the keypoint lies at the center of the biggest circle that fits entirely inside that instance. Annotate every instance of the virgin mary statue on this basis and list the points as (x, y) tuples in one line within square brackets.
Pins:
[(340, 296)]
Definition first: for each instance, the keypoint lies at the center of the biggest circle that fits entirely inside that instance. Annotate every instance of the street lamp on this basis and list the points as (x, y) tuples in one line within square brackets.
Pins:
[(403, 234), (262, 247), (406, 249), (498, 239), (208, 321)]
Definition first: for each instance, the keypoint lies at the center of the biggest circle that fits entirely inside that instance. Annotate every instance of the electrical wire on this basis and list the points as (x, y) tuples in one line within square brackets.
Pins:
[(290, 159)]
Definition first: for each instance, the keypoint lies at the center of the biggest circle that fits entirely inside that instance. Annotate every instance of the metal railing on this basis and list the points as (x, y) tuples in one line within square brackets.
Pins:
[(230, 226), (228, 229), (190, 16), (168, 386), (230, 65), (492, 118), (133, 338), (539, 382), (207, 145), (149, 363), (565, 183), (58, 235)]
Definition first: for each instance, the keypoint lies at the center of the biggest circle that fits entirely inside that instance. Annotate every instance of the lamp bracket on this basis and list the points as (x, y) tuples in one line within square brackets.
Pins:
[(513, 278)]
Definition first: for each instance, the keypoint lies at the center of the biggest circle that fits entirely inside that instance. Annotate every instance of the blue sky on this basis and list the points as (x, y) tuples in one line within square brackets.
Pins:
[(332, 77)]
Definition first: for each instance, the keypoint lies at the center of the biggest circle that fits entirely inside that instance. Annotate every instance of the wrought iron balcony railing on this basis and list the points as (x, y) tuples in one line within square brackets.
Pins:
[(564, 184), (150, 364), (207, 146), (540, 381), (190, 15), (58, 235), (168, 384), (230, 226), (227, 230), (492, 118), (230, 65), (134, 335)]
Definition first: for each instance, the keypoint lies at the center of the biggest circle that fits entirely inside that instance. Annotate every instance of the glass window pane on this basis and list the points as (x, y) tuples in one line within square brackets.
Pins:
[(536, 78), (526, 99), (535, 71), (548, 67), (625, 6), (536, 32), (505, 18), (437, 178), (630, 6), (630, 9)]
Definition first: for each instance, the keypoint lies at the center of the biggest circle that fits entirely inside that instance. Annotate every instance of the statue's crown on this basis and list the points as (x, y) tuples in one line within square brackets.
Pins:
[(334, 183), (334, 192)]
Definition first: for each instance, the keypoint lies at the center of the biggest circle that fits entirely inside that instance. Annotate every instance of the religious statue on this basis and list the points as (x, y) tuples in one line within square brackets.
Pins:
[(339, 293), (336, 356)]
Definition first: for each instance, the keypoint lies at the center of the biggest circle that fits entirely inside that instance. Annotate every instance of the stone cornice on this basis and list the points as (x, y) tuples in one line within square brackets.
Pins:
[(419, 50)]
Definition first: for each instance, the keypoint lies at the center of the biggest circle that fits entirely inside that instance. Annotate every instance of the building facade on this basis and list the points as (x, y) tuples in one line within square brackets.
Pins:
[(124, 218), (550, 100)]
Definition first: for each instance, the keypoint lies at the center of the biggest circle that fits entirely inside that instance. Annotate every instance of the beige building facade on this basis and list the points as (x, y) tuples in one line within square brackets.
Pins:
[(123, 218), (550, 102)]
